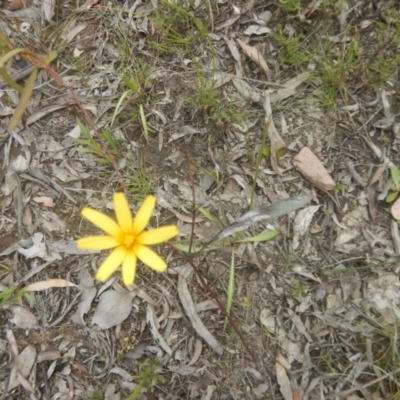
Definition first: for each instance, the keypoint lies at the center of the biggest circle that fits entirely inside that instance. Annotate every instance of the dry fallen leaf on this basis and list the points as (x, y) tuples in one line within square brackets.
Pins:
[(88, 294), (190, 310), (23, 318), (395, 209), (256, 30), (22, 365), (284, 382), (312, 168), (48, 9), (19, 4), (255, 56), (50, 283), (88, 4), (47, 201), (113, 308)]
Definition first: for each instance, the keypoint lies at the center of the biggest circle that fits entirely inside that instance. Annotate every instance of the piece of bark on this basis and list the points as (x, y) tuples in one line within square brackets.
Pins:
[(308, 164)]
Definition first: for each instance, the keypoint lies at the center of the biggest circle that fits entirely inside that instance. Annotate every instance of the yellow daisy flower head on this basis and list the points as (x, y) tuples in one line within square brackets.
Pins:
[(128, 238)]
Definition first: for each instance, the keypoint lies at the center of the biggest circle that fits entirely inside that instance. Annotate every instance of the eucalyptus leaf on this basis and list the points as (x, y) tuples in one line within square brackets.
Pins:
[(113, 308), (270, 211)]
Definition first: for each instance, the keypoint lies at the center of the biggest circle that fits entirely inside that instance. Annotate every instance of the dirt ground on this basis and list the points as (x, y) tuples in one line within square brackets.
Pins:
[(209, 106)]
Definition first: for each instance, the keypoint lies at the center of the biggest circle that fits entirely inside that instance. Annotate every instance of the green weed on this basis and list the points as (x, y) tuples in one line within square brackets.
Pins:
[(292, 50), (299, 289), (212, 105), (147, 378), (13, 295), (290, 6), (139, 182), (96, 396), (88, 144)]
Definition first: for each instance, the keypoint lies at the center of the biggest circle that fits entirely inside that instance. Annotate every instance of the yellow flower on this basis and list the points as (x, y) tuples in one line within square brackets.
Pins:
[(127, 237)]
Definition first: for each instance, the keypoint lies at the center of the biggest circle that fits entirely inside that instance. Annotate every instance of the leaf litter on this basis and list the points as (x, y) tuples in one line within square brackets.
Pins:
[(335, 283)]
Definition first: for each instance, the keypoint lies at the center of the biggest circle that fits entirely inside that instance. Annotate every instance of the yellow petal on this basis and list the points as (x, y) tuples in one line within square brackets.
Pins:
[(111, 264), (129, 268), (158, 235), (122, 212), (144, 214), (97, 243), (150, 258), (102, 221)]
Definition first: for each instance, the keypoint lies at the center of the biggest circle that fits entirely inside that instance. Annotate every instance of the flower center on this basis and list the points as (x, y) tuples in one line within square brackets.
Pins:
[(129, 240)]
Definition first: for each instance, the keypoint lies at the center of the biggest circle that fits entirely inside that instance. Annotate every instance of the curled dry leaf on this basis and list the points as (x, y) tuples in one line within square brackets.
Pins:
[(256, 30), (255, 56), (302, 223)]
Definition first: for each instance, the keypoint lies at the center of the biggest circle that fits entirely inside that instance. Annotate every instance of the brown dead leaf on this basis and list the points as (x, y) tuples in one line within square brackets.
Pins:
[(19, 4), (187, 218), (255, 56), (283, 381), (88, 4), (50, 283), (312, 168), (47, 201), (23, 318)]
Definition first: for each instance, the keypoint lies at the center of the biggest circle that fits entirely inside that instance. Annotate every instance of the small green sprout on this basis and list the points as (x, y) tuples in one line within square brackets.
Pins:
[(147, 378), (299, 289)]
